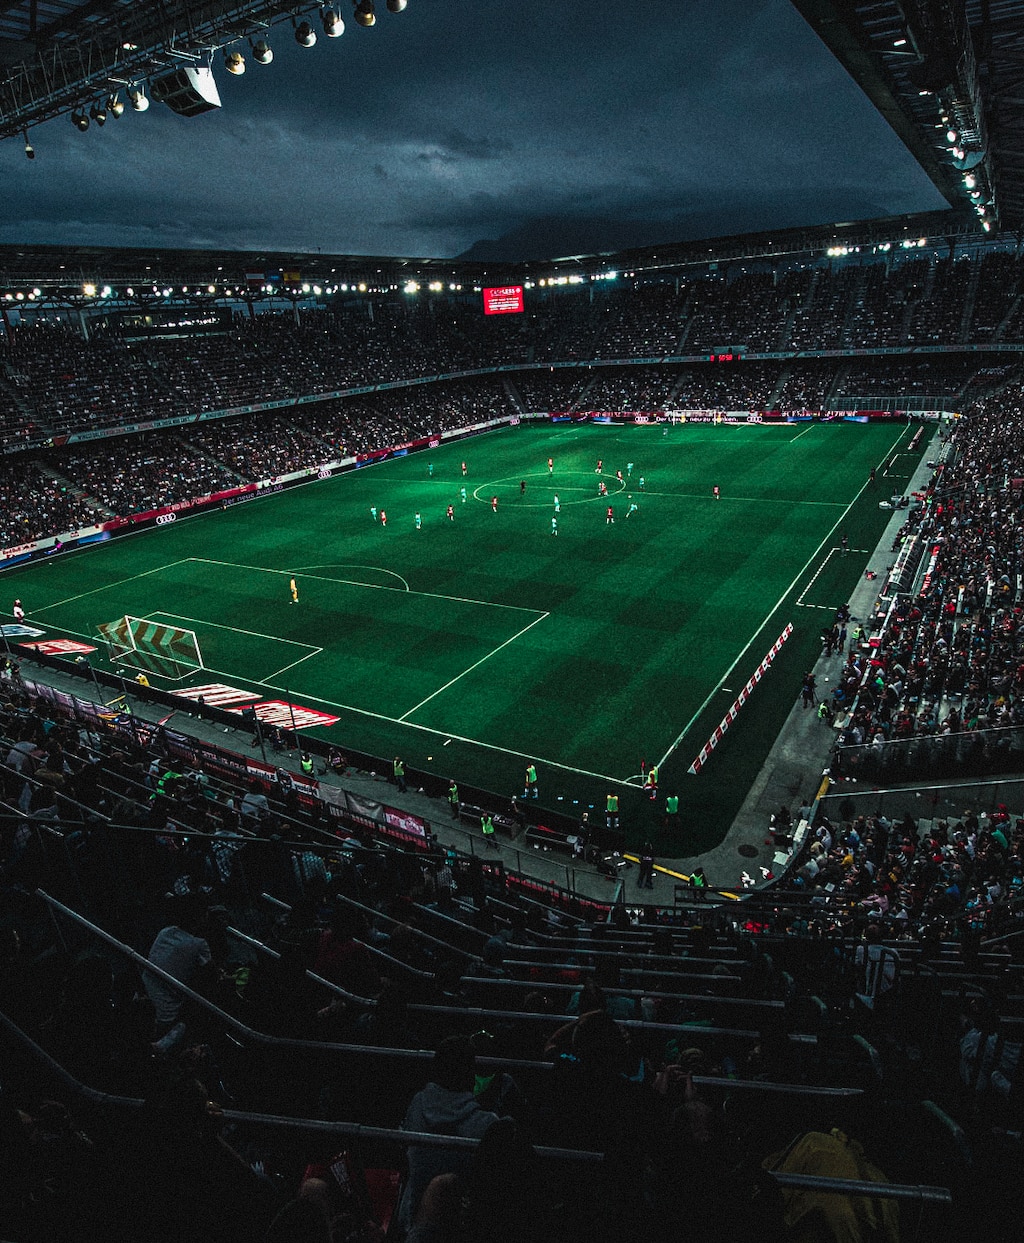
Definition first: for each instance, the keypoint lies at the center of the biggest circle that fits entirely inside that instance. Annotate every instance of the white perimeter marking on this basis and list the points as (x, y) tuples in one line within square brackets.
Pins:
[(390, 720), (803, 433), (352, 565), (82, 594), (473, 666), (778, 604), (430, 595), (274, 638)]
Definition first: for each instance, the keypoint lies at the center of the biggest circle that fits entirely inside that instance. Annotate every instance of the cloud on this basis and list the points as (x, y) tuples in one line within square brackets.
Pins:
[(455, 122)]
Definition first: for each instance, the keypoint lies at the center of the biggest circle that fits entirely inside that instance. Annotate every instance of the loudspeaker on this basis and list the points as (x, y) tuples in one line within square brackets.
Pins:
[(187, 91)]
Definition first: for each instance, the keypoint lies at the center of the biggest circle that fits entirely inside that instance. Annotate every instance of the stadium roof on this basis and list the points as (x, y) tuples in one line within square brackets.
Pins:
[(948, 76), (55, 268), (56, 55)]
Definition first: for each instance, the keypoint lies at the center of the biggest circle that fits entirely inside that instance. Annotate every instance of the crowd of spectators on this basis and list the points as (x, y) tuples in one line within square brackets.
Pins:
[(132, 474), (947, 662), (33, 505), (630, 1052), (54, 380)]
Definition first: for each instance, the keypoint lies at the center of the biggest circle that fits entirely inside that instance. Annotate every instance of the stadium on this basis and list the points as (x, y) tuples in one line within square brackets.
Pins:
[(515, 748)]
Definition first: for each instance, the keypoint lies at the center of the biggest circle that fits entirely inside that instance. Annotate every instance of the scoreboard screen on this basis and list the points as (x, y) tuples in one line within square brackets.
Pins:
[(503, 300)]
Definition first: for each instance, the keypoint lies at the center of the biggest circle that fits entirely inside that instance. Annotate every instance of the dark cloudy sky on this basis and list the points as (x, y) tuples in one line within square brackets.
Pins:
[(557, 126)]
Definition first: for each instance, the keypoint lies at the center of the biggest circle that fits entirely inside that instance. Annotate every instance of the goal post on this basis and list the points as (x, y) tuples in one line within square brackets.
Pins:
[(152, 647)]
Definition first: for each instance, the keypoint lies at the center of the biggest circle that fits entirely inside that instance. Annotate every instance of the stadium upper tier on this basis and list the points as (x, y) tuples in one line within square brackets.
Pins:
[(101, 367)]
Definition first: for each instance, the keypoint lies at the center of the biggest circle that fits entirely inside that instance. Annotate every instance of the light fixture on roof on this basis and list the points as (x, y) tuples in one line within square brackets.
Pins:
[(364, 14), (98, 113), (80, 121), (305, 35), (262, 52), (234, 61), (397, 6), (115, 106), (332, 22), (30, 151), (138, 100), (970, 180), (951, 135)]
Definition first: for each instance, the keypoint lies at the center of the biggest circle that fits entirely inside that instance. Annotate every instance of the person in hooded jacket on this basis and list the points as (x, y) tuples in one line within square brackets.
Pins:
[(446, 1106)]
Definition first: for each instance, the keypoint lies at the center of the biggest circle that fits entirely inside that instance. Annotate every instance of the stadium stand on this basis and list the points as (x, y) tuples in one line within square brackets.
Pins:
[(220, 1001)]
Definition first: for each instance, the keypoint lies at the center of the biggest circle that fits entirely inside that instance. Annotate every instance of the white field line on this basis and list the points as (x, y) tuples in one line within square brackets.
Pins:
[(106, 586), (771, 612), (476, 665), (429, 595), (197, 621)]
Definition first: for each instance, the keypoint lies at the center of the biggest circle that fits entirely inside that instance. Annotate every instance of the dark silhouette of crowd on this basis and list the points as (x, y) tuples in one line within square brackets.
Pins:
[(241, 953)]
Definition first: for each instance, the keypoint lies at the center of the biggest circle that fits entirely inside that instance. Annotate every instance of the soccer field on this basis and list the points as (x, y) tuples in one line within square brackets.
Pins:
[(476, 645)]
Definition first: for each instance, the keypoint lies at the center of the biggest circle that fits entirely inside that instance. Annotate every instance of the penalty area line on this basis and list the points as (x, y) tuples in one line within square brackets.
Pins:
[(107, 586), (477, 664)]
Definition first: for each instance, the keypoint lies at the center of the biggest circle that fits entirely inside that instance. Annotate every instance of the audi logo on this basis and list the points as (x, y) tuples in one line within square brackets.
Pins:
[(323, 473), (163, 518)]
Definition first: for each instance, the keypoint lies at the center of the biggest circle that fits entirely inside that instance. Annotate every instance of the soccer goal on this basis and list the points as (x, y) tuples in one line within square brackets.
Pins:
[(170, 652)]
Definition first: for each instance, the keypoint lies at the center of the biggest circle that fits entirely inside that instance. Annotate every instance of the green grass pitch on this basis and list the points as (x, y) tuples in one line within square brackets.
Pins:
[(474, 646)]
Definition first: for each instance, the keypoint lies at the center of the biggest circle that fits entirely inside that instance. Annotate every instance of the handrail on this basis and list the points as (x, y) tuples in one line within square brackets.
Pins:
[(373, 949), (564, 965), (420, 1139), (98, 815), (511, 962), (482, 1012), (759, 1003), (390, 919)]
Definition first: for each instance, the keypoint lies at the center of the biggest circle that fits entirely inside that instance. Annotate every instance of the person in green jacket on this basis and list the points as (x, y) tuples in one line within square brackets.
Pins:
[(453, 798), (611, 810), (672, 811), (487, 829), (531, 781), (398, 769)]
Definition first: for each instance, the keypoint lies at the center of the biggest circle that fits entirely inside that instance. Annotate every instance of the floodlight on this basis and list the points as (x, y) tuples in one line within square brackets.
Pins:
[(234, 62), (30, 151), (305, 35), (364, 14), (333, 24), (396, 6), (262, 52), (114, 105), (80, 121), (137, 99), (99, 114), (951, 135)]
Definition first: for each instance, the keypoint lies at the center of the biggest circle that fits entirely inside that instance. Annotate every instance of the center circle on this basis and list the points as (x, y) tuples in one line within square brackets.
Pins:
[(508, 489)]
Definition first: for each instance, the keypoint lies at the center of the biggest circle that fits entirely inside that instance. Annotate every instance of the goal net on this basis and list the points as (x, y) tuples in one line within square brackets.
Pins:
[(152, 647)]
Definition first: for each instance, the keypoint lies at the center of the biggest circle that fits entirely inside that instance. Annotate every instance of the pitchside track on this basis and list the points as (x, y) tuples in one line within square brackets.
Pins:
[(474, 645)]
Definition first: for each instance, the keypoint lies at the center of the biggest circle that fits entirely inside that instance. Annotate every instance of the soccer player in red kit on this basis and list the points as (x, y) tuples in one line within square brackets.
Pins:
[(451, 513), (610, 517), (494, 504)]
